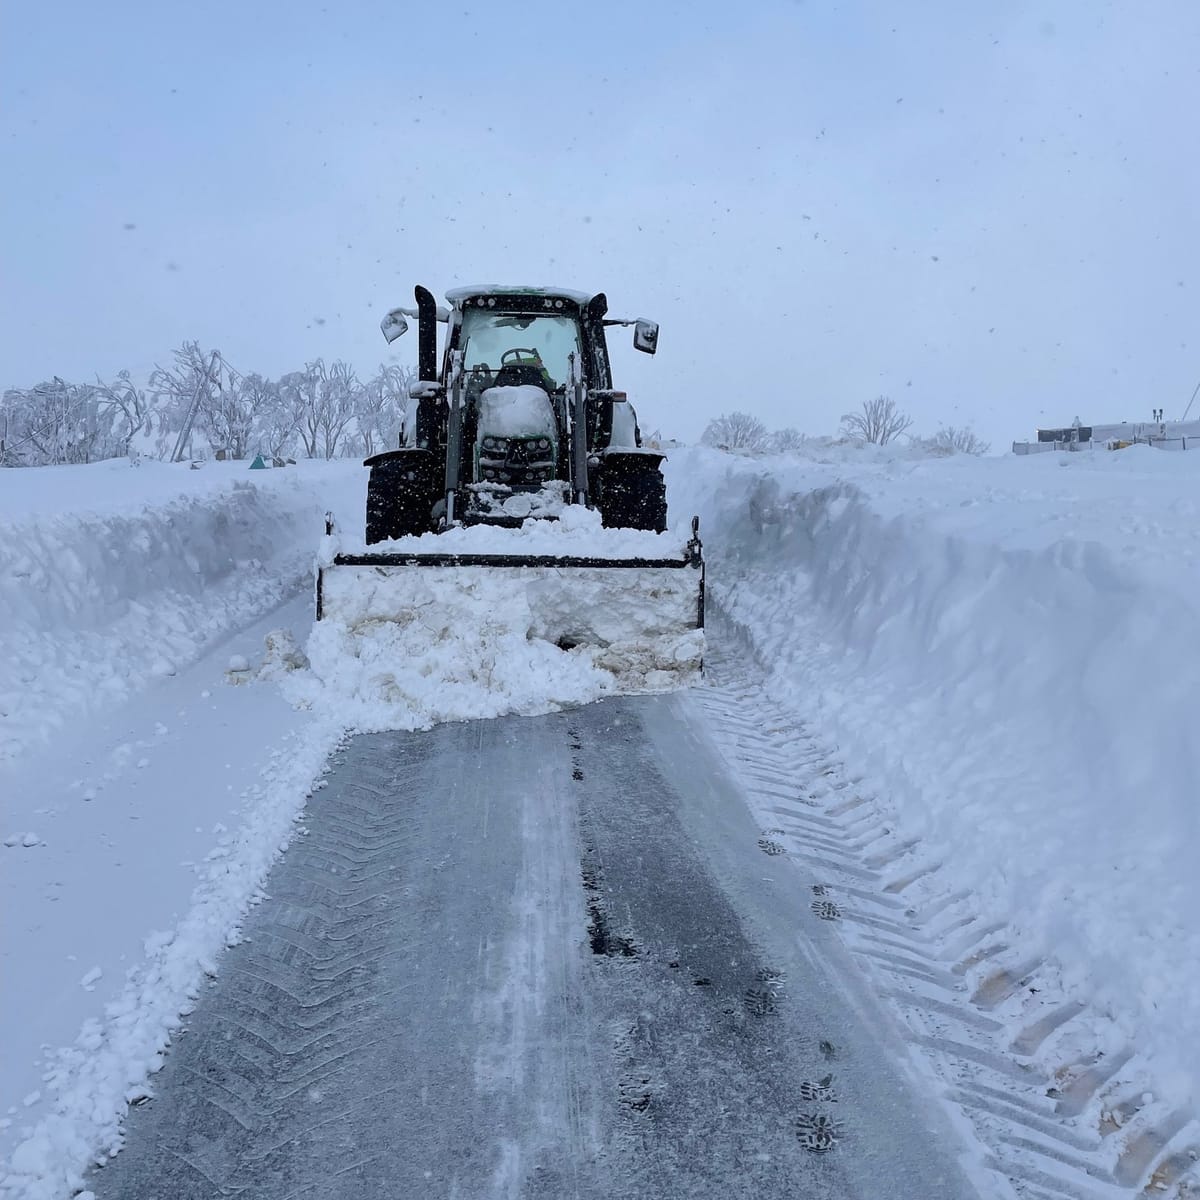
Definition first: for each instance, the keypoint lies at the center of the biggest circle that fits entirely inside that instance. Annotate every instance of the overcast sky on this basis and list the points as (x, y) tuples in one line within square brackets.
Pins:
[(986, 211)]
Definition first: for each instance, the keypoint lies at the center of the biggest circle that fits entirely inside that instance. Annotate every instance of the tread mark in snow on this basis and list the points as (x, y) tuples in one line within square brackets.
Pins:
[(767, 846), (636, 1092), (826, 910), (603, 940), (818, 1132), (760, 1002), (821, 1090)]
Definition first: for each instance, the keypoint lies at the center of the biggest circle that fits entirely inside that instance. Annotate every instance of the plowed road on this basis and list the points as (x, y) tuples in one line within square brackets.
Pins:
[(535, 957)]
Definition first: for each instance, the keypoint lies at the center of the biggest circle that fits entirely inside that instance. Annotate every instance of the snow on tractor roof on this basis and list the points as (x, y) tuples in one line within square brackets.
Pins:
[(456, 295)]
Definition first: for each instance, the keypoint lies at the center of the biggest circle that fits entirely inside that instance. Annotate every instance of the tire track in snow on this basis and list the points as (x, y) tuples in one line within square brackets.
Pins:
[(1063, 1116), (436, 998), (403, 1017)]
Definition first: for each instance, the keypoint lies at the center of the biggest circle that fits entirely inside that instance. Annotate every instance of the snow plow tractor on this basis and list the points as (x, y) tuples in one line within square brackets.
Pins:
[(521, 419), (519, 456)]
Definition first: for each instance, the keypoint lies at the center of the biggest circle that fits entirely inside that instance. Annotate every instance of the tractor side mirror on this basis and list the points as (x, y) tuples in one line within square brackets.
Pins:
[(393, 325), (645, 336)]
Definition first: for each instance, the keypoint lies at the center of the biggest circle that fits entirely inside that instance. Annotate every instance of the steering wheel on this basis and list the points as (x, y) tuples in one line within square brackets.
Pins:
[(514, 356)]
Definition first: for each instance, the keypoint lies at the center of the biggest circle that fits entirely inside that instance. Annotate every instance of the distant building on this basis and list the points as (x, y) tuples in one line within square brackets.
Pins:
[(1164, 435)]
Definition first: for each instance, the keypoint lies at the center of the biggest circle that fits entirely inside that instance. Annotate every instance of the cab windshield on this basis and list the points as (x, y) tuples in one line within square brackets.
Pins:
[(530, 345)]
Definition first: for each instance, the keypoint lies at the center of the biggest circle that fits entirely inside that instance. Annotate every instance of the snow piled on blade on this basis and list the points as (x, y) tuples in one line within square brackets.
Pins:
[(408, 646), (577, 532), (1006, 649)]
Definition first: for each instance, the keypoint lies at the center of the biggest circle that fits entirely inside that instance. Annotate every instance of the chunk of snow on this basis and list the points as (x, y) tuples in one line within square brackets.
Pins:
[(281, 654), (410, 646)]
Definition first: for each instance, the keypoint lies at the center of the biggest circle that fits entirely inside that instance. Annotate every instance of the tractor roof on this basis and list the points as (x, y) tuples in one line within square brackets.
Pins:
[(456, 296)]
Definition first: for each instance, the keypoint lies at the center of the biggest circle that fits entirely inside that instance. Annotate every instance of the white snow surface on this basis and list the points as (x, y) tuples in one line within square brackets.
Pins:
[(150, 612), (160, 794), (1003, 648), (111, 575), (1006, 649)]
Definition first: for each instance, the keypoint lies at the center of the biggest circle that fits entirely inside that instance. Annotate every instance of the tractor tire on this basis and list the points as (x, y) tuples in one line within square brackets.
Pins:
[(632, 494), (401, 493)]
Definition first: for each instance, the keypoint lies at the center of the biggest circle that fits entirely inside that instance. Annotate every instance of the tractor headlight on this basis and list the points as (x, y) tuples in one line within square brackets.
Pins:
[(489, 443)]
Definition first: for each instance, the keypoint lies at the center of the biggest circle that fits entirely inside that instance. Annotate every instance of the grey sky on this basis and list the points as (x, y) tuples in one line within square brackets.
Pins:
[(985, 211)]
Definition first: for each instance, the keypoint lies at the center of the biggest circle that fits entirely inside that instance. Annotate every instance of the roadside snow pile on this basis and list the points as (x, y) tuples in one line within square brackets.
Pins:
[(111, 576), (85, 1088), (404, 647), (1008, 648)]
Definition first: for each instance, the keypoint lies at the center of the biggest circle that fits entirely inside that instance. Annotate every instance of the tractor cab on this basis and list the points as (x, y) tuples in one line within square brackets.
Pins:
[(521, 419)]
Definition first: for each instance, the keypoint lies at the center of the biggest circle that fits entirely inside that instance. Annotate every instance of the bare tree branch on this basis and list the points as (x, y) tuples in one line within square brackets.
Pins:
[(735, 431), (879, 422)]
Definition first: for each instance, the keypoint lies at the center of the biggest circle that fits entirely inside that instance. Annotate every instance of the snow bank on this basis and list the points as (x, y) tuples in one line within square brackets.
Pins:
[(118, 585), (111, 575), (89, 1084), (1008, 648)]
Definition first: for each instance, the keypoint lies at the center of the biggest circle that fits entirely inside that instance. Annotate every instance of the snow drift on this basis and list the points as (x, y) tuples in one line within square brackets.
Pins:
[(110, 575), (1007, 648)]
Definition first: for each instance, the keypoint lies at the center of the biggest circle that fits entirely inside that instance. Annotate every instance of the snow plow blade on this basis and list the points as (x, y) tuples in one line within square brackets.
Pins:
[(639, 614)]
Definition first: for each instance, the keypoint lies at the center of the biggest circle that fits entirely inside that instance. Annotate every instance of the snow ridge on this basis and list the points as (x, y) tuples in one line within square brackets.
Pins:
[(92, 1082), (100, 601), (1022, 703)]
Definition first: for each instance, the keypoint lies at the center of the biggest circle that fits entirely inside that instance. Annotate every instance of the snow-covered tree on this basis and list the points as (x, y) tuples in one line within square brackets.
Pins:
[(299, 392), (735, 431), (273, 424), (229, 407), (190, 379), (321, 412), (879, 422), (129, 411), (380, 406), (786, 441), (952, 439), (337, 404), (51, 423)]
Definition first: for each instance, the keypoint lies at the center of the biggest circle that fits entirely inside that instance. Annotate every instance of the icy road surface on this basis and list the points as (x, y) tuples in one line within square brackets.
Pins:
[(536, 957)]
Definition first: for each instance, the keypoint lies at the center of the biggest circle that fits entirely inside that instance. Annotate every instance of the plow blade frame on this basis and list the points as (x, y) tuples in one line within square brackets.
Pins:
[(691, 559)]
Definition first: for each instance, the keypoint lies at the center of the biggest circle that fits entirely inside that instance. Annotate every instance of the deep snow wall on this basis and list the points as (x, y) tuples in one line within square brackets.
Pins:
[(1020, 692), (111, 575)]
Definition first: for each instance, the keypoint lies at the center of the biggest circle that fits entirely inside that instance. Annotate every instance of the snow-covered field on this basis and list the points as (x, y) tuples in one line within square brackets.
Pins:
[(1003, 648)]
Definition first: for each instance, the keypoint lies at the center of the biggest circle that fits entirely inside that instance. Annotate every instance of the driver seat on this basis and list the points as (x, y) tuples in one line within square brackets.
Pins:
[(520, 375)]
